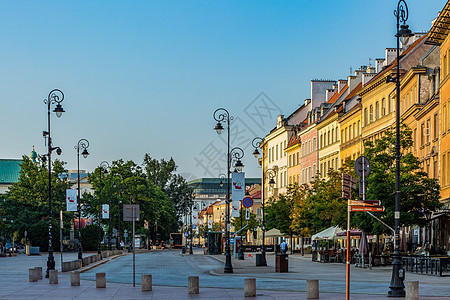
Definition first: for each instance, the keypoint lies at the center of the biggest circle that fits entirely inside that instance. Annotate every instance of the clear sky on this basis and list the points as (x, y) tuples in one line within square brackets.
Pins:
[(146, 76)]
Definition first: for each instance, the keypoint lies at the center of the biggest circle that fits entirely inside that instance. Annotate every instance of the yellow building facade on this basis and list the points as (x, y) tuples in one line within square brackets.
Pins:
[(351, 142)]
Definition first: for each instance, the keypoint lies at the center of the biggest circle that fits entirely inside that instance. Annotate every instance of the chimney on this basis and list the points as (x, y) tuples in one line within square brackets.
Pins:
[(330, 93), (391, 54), (341, 84), (366, 77), (318, 91), (353, 81), (379, 64)]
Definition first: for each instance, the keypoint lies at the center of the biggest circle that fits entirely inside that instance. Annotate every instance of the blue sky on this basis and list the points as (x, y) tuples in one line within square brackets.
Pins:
[(145, 76)]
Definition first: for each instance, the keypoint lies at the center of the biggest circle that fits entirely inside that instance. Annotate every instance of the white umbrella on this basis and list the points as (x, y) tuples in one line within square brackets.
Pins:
[(327, 234), (273, 233)]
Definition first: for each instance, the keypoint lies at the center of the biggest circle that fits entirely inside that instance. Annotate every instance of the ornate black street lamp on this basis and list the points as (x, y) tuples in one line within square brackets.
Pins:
[(82, 144), (104, 166), (54, 97), (271, 173), (222, 115), (397, 287)]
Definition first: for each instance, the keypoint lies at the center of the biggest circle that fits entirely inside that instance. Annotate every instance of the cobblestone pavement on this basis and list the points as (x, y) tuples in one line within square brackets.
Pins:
[(170, 270)]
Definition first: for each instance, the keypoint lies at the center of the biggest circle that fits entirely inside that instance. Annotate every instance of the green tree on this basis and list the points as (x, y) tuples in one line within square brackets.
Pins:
[(90, 237), (418, 192), (236, 222), (26, 203)]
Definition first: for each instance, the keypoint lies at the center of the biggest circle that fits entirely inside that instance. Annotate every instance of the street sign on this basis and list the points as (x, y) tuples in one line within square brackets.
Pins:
[(355, 208), (247, 214), (373, 202), (362, 166), (247, 202), (128, 212), (365, 203)]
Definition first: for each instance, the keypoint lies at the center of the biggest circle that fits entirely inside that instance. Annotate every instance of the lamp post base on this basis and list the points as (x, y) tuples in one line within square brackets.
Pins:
[(261, 259), (397, 287), (50, 264), (228, 267)]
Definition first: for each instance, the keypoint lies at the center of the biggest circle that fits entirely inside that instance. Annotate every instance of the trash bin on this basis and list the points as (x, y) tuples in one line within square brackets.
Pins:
[(282, 263), (183, 250)]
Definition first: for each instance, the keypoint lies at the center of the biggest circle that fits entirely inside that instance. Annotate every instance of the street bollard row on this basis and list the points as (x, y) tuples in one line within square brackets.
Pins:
[(312, 286), (78, 263)]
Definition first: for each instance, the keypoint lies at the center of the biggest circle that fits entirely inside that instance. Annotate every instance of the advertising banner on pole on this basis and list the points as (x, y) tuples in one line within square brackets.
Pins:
[(237, 186), (194, 217), (210, 221), (235, 209), (71, 200), (105, 211)]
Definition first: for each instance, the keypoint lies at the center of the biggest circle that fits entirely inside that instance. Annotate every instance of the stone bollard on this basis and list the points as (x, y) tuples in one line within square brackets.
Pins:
[(412, 290), (53, 276), (193, 285), (100, 280), (249, 287), (146, 282), (33, 275), (75, 278), (312, 289), (39, 273)]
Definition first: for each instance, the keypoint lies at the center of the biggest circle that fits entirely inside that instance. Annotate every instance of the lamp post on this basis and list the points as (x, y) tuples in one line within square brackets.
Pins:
[(82, 144), (54, 97), (222, 115), (397, 287), (104, 165), (271, 173), (191, 233)]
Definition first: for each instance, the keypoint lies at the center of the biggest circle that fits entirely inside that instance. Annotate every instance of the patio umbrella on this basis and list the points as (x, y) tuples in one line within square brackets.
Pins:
[(403, 246), (273, 233), (363, 245), (327, 234)]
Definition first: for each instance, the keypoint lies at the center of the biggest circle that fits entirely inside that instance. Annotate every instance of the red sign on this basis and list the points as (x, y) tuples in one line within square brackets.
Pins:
[(84, 223), (354, 208)]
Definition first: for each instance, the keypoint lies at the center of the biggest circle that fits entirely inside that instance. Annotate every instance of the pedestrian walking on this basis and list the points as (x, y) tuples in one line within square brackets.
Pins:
[(283, 247)]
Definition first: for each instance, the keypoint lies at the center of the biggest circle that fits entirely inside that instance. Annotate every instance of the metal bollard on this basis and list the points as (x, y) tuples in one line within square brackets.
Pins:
[(75, 278), (39, 273), (146, 282), (412, 290), (249, 287), (100, 280), (312, 289), (33, 275), (53, 276), (193, 285)]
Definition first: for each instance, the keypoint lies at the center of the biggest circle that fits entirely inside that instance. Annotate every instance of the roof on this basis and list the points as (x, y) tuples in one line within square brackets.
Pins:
[(337, 95), (293, 140), (353, 93), (10, 170), (394, 63), (441, 27)]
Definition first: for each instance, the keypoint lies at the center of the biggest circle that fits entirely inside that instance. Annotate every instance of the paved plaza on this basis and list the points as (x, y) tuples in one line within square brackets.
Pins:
[(170, 270)]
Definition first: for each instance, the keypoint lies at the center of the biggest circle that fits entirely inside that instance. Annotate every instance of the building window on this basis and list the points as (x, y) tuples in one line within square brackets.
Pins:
[(290, 161), (428, 130), (383, 107), (371, 114), (276, 152), (269, 155), (357, 127), (324, 139), (377, 110), (298, 160), (422, 134), (445, 65), (435, 169), (321, 142), (332, 135), (365, 117), (314, 170), (329, 139), (314, 144), (435, 127), (284, 148), (444, 171)]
